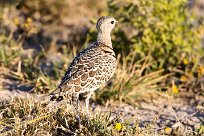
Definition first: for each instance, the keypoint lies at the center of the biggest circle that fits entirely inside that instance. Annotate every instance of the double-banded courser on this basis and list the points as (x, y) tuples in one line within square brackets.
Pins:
[(92, 67)]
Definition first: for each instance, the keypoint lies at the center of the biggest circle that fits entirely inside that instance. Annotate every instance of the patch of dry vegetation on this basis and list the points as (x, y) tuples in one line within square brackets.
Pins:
[(26, 117)]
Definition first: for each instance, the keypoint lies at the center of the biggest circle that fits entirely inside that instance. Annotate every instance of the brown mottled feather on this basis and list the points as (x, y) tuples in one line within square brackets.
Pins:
[(87, 70)]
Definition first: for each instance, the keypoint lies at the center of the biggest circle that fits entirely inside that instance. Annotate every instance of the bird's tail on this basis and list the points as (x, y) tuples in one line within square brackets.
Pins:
[(59, 93), (55, 95)]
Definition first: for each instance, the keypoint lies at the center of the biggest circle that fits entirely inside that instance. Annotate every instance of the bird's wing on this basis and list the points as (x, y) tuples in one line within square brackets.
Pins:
[(81, 71)]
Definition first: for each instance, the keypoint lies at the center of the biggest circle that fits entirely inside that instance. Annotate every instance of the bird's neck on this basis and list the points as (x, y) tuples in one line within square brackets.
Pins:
[(104, 38)]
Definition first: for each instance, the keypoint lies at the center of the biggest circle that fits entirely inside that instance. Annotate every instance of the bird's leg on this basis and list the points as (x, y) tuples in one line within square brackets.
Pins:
[(77, 107), (87, 105)]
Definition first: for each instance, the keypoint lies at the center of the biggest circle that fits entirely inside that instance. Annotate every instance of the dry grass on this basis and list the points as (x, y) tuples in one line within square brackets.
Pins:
[(26, 117), (133, 82)]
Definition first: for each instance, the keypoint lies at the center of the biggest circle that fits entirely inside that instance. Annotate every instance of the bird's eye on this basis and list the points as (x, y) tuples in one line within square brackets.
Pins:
[(112, 22)]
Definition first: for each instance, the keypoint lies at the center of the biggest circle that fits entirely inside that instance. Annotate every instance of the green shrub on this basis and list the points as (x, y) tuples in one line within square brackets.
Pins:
[(162, 29)]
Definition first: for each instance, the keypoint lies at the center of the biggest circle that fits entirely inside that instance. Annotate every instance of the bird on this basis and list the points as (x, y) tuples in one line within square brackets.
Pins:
[(91, 68)]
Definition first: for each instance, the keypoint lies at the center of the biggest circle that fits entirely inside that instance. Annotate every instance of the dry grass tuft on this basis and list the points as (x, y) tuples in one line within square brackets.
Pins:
[(133, 82), (26, 117)]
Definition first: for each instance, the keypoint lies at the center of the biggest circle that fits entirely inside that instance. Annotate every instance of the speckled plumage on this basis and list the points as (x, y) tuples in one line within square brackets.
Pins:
[(92, 67)]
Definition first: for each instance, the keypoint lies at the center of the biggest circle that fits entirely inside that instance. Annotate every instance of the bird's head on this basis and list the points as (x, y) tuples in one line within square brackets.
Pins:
[(105, 24)]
